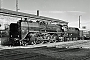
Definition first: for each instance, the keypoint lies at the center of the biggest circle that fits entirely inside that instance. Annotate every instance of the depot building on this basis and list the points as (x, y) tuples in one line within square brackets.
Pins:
[(9, 16)]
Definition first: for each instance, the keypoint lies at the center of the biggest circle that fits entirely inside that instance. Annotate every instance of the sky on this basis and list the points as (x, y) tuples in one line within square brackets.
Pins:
[(67, 10)]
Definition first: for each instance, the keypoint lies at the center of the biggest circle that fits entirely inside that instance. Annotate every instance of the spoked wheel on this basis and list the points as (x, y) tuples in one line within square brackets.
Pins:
[(40, 42)]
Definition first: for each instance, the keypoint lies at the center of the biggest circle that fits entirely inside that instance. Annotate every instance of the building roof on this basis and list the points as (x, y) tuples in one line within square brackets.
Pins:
[(11, 13)]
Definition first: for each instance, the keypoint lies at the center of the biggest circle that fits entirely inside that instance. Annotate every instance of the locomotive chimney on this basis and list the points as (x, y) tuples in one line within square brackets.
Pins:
[(37, 12), (25, 19)]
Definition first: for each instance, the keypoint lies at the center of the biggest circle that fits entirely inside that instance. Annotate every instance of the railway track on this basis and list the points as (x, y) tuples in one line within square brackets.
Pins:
[(57, 45)]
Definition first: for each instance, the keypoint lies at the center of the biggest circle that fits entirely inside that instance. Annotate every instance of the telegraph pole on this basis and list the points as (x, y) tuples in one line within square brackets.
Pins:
[(16, 5), (37, 12), (0, 4), (79, 20), (17, 8)]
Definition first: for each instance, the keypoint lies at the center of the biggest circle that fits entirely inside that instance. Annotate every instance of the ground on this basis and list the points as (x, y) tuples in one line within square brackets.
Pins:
[(49, 53), (45, 53)]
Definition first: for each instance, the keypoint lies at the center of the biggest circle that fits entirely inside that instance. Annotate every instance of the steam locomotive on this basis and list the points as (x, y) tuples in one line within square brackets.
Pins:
[(29, 33)]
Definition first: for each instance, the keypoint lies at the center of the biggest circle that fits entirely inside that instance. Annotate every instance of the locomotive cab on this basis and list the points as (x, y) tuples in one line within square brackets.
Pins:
[(14, 36)]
